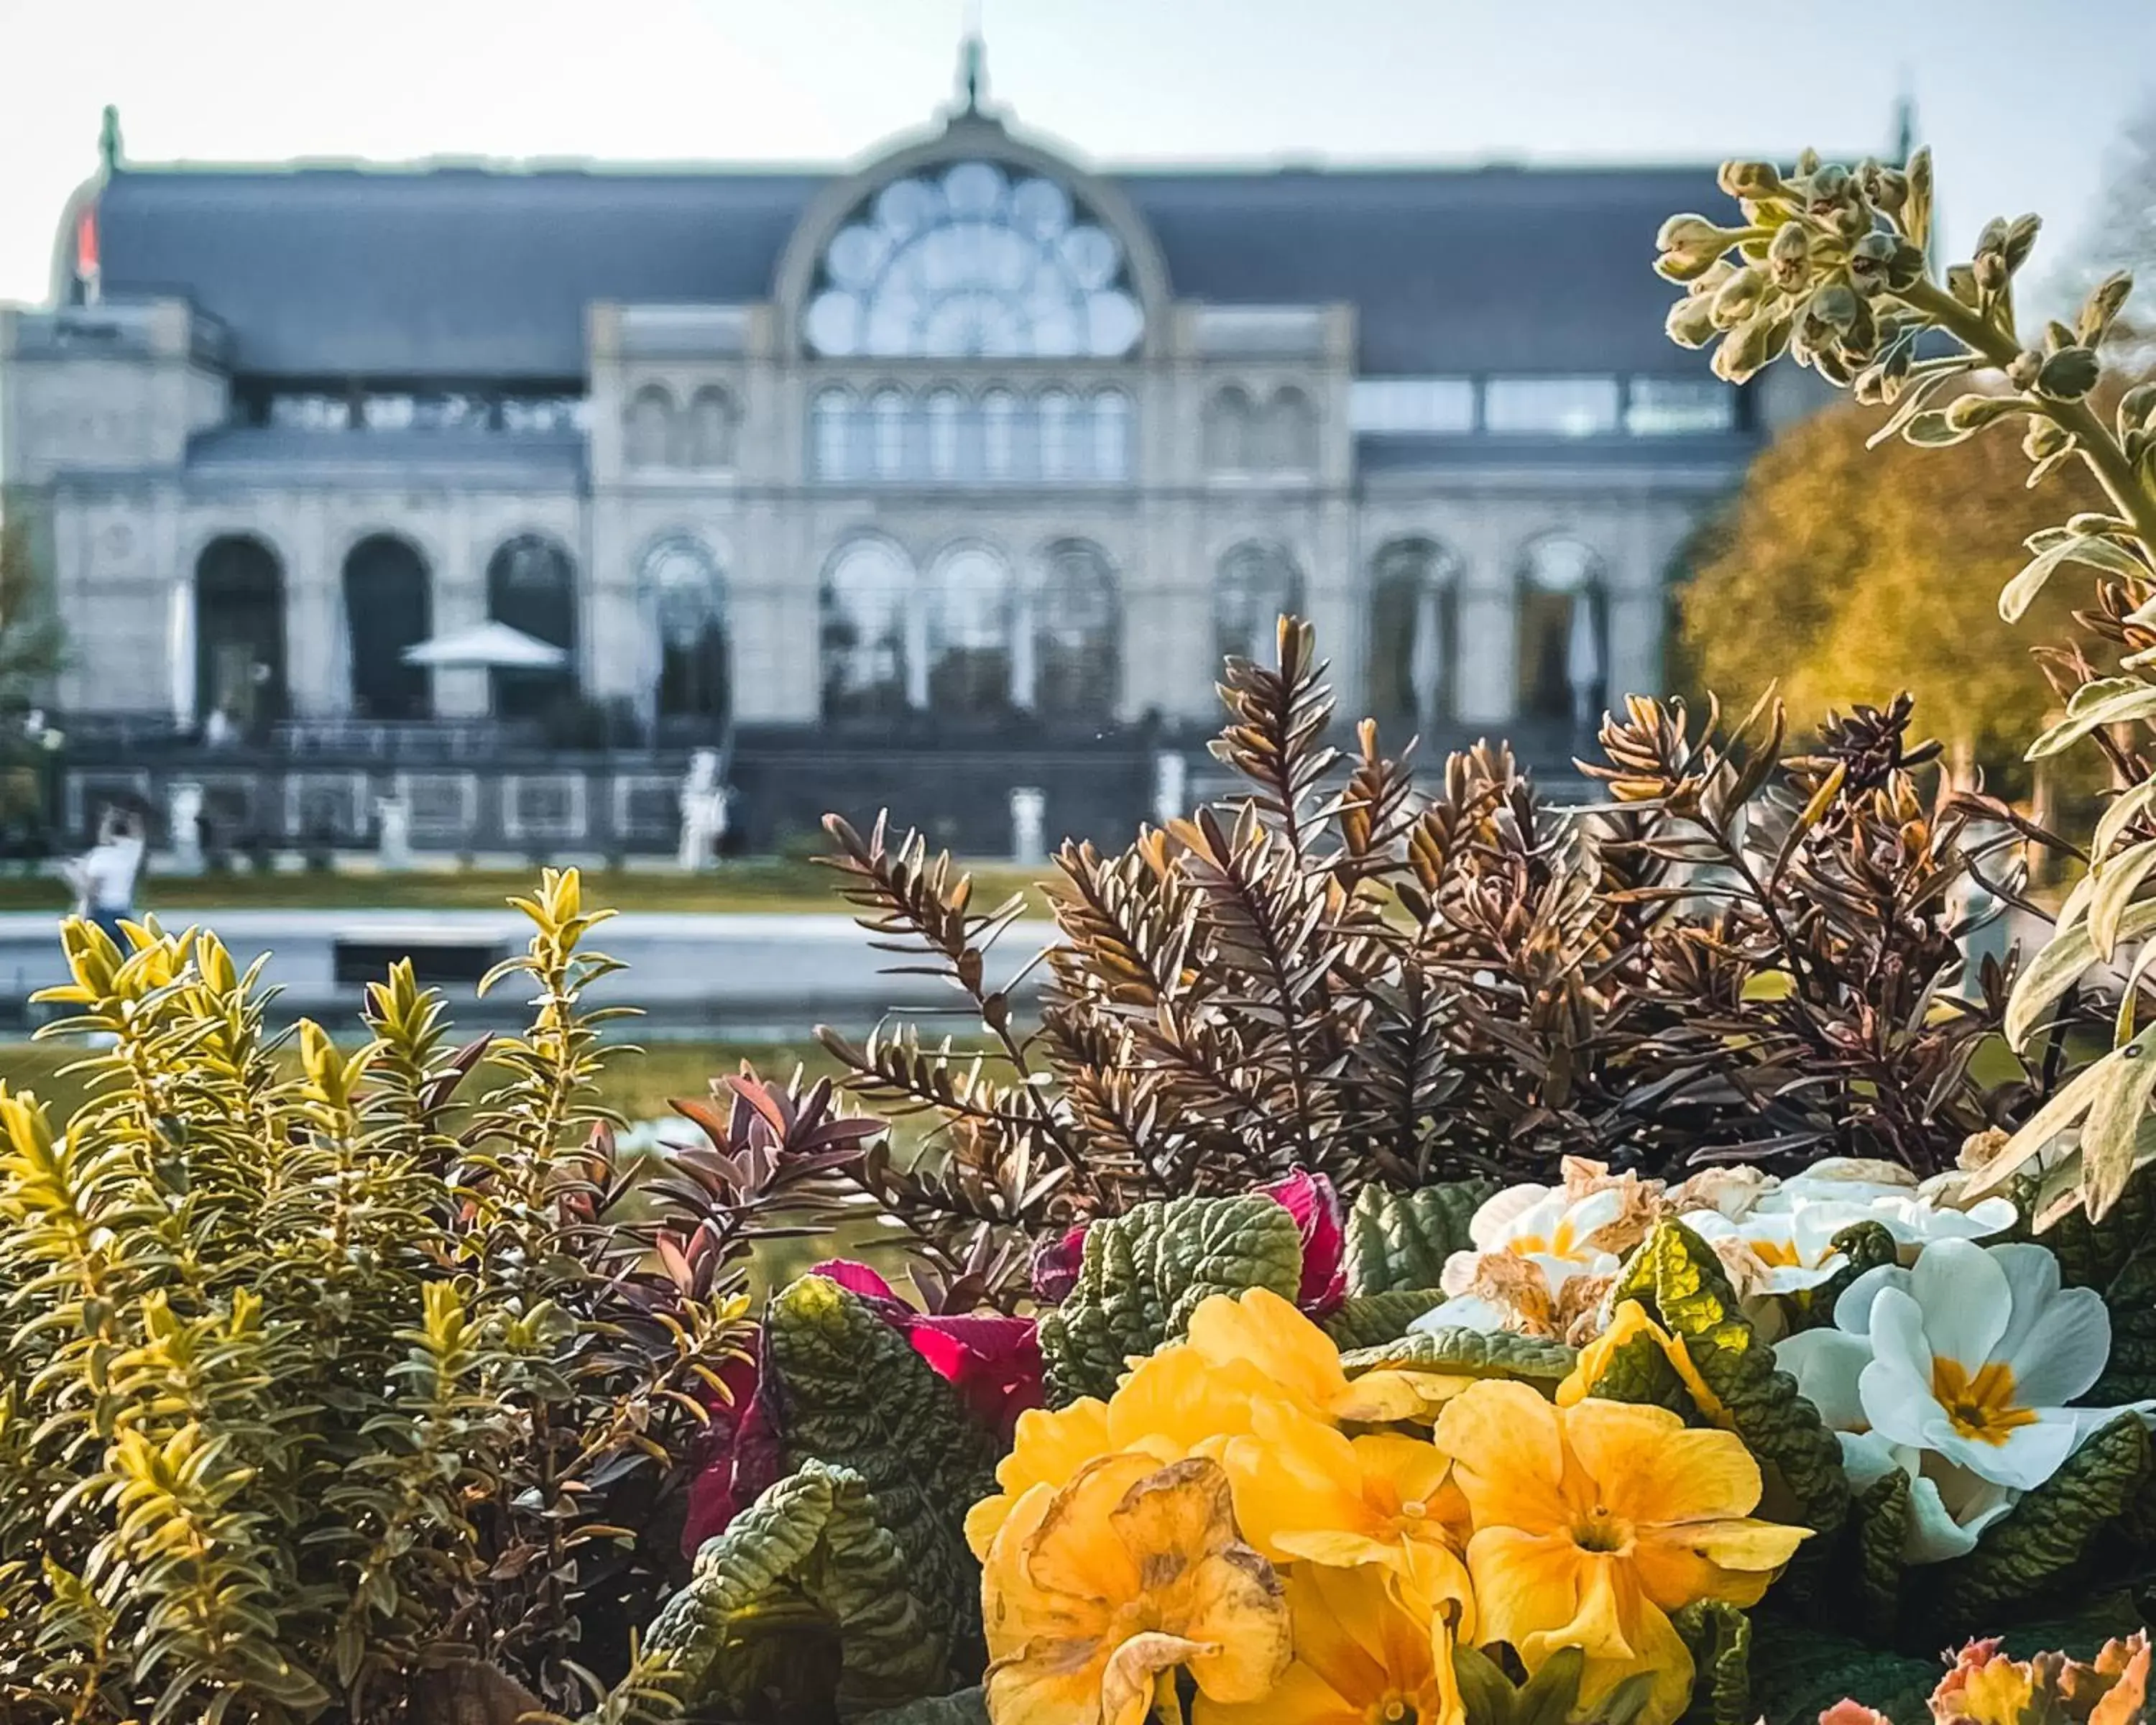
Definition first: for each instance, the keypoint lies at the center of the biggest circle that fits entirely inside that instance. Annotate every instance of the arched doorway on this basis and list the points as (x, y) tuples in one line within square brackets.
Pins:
[(389, 606), (866, 647), (970, 613), (1563, 635), (531, 586), (1076, 634), (685, 599), (1254, 584), (239, 633), (1413, 591)]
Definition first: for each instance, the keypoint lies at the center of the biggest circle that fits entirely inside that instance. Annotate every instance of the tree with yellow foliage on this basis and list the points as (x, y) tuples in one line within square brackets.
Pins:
[(1847, 574)]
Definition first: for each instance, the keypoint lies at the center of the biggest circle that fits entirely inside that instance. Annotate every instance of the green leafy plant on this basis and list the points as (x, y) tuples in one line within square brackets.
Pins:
[(337, 1394)]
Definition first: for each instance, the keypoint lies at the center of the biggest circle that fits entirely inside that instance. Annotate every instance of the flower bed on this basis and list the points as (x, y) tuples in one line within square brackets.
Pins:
[(1436, 1261)]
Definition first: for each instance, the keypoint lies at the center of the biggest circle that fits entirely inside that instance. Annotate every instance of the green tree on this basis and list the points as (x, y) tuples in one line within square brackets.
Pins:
[(32, 645), (1847, 574)]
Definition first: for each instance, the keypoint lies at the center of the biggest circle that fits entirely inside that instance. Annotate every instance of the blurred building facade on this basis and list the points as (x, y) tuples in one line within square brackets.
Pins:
[(968, 446)]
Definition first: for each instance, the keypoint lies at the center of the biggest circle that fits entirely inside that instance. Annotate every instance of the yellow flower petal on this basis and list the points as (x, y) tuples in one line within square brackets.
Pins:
[(1047, 1448), (1652, 1467), (1075, 1550), (1268, 1332), (1507, 1445), (1130, 1681), (1048, 1682), (1178, 1401)]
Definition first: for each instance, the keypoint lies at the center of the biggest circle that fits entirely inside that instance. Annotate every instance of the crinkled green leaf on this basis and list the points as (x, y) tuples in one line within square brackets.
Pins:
[(1639, 1371), (1676, 1275), (1401, 1240), (851, 1393), (2117, 1256), (806, 1564), (969, 1706), (1881, 1515), (1467, 1353), (1144, 1272), (1797, 1673), (2081, 1632), (1720, 1638), (1371, 1320), (2023, 1559)]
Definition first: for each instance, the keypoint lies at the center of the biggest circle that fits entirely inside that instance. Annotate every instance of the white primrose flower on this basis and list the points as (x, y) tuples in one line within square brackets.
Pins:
[(1949, 1507), (1542, 1256), (1917, 1216), (1974, 1356), (1777, 1251)]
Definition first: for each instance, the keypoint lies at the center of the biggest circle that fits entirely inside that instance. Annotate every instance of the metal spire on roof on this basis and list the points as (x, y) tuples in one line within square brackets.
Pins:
[(108, 139), (972, 65), (1905, 124)]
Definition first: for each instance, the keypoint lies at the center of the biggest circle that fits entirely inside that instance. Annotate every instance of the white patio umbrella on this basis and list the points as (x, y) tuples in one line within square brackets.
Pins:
[(487, 646)]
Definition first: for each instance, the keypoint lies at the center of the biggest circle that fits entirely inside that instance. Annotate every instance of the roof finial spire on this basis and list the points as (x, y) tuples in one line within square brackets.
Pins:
[(108, 139), (973, 64)]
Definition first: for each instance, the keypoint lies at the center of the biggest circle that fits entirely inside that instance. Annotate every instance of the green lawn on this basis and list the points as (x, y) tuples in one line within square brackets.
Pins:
[(752, 884)]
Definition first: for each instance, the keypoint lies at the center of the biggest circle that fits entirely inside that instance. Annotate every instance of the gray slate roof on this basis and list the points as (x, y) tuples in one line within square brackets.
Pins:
[(478, 273)]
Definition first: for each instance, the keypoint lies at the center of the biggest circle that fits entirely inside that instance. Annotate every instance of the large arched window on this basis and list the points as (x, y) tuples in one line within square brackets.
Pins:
[(712, 424), (968, 606), (1254, 584), (1228, 430), (1563, 633), (685, 597), (531, 586), (947, 428), (970, 261), (1414, 586), (1291, 430), (887, 433), (1057, 418), (389, 606), (1076, 635), (867, 650), (999, 439), (647, 432), (1112, 435), (239, 632), (831, 435)]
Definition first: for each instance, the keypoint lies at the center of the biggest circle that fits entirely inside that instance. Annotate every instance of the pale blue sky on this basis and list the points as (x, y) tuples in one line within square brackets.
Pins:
[(2020, 101)]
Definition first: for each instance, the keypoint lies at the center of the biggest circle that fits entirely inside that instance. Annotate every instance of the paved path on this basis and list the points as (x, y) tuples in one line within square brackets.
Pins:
[(740, 966)]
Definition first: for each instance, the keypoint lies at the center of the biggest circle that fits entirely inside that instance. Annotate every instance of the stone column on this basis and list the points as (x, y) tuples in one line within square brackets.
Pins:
[(460, 605)]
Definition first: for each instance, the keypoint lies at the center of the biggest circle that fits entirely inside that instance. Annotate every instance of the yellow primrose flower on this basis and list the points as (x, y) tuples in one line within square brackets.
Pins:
[(1172, 1404), (1360, 1659), (1593, 1522), (1261, 1329), (1304, 1491), (1093, 1595)]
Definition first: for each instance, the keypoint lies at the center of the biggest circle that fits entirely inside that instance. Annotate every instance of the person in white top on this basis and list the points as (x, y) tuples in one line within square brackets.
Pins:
[(104, 878)]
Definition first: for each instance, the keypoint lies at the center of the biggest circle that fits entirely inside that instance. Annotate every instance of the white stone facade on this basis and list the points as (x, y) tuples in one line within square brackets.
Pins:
[(116, 441)]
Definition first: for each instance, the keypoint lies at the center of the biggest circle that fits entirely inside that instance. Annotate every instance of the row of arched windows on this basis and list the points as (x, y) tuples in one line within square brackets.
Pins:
[(239, 618), (964, 634), (657, 432), (948, 433), (1243, 433), (1561, 632)]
